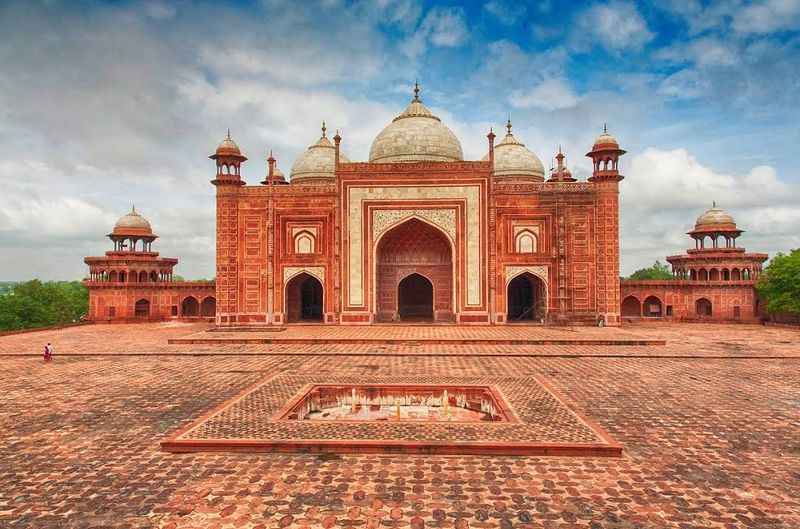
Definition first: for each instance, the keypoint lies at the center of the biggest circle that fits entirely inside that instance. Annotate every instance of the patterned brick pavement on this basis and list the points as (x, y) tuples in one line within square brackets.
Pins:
[(709, 443), (710, 340)]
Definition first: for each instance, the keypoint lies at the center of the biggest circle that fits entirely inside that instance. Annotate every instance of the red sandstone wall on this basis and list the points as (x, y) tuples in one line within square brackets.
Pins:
[(682, 296), (163, 299)]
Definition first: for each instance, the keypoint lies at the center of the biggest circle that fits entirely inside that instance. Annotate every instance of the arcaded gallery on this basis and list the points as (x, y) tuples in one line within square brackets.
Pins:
[(417, 233)]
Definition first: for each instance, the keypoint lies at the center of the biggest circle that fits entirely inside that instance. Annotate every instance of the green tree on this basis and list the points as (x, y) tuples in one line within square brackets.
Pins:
[(779, 283), (657, 271), (36, 304)]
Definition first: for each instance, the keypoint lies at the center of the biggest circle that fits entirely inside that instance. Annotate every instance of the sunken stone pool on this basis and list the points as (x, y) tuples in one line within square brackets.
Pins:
[(399, 403)]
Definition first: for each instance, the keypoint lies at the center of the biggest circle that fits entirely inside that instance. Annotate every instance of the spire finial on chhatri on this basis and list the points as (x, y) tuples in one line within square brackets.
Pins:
[(605, 128), (416, 90), (228, 136), (713, 203), (324, 129), (133, 207), (508, 123)]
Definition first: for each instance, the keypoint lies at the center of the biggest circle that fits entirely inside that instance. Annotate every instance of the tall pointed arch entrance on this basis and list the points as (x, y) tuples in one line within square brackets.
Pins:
[(526, 299), (414, 274)]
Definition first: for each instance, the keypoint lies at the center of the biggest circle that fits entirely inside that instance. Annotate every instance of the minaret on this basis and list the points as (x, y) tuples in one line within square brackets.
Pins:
[(228, 182), (605, 155)]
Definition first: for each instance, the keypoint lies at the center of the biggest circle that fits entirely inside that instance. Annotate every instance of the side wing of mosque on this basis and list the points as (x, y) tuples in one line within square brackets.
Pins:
[(417, 233)]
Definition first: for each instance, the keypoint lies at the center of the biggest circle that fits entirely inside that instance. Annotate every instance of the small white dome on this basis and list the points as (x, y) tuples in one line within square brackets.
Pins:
[(318, 161), (513, 160), (416, 135)]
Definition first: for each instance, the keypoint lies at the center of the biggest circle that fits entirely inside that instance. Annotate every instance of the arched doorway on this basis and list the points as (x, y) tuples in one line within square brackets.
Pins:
[(703, 308), (304, 298), (142, 309), (415, 298), (190, 307), (411, 248), (208, 308), (653, 307), (631, 308), (526, 295)]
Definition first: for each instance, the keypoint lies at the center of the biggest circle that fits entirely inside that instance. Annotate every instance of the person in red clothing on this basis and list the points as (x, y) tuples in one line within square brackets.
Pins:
[(48, 352)]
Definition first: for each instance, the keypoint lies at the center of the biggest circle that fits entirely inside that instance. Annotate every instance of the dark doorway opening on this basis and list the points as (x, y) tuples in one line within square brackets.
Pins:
[(526, 298), (703, 308), (190, 308), (142, 309), (415, 298), (304, 299)]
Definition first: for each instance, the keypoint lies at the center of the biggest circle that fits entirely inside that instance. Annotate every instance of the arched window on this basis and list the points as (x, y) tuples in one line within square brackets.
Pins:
[(702, 275), (525, 242), (713, 275), (112, 277), (122, 277), (153, 277), (304, 243), (142, 277)]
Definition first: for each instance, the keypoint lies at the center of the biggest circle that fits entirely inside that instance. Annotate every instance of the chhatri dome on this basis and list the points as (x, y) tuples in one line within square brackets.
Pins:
[(416, 135), (716, 219), (132, 224), (228, 147), (605, 141), (513, 160), (318, 161)]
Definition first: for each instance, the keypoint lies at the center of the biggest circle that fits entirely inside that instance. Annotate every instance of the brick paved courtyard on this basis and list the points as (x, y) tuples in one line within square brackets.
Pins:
[(708, 442)]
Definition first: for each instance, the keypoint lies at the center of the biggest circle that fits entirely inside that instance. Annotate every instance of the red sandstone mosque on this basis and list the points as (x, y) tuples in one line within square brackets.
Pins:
[(417, 233)]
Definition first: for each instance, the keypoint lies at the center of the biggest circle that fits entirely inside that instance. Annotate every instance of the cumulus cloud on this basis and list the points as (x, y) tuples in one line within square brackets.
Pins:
[(616, 26), (666, 190), (550, 94)]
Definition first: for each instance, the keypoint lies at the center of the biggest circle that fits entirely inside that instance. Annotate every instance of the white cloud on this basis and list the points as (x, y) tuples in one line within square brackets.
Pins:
[(704, 52), (664, 191), (550, 94), (685, 84), (767, 16), (508, 13), (616, 26), (442, 27)]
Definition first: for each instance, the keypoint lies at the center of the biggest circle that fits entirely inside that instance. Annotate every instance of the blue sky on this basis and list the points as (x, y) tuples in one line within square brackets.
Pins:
[(108, 103)]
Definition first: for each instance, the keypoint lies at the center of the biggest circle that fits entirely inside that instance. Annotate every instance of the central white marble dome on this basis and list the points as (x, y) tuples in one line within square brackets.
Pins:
[(416, 135)]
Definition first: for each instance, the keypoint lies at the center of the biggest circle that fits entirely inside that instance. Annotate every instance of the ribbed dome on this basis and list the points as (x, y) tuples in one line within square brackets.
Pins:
[(513, 159), (318, 161), (416, 135), (228, 147), (714, 217), (132, 224)]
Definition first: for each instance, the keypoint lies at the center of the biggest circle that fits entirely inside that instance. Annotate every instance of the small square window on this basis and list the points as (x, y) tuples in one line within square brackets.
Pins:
[(669, 310), (174, 310)]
